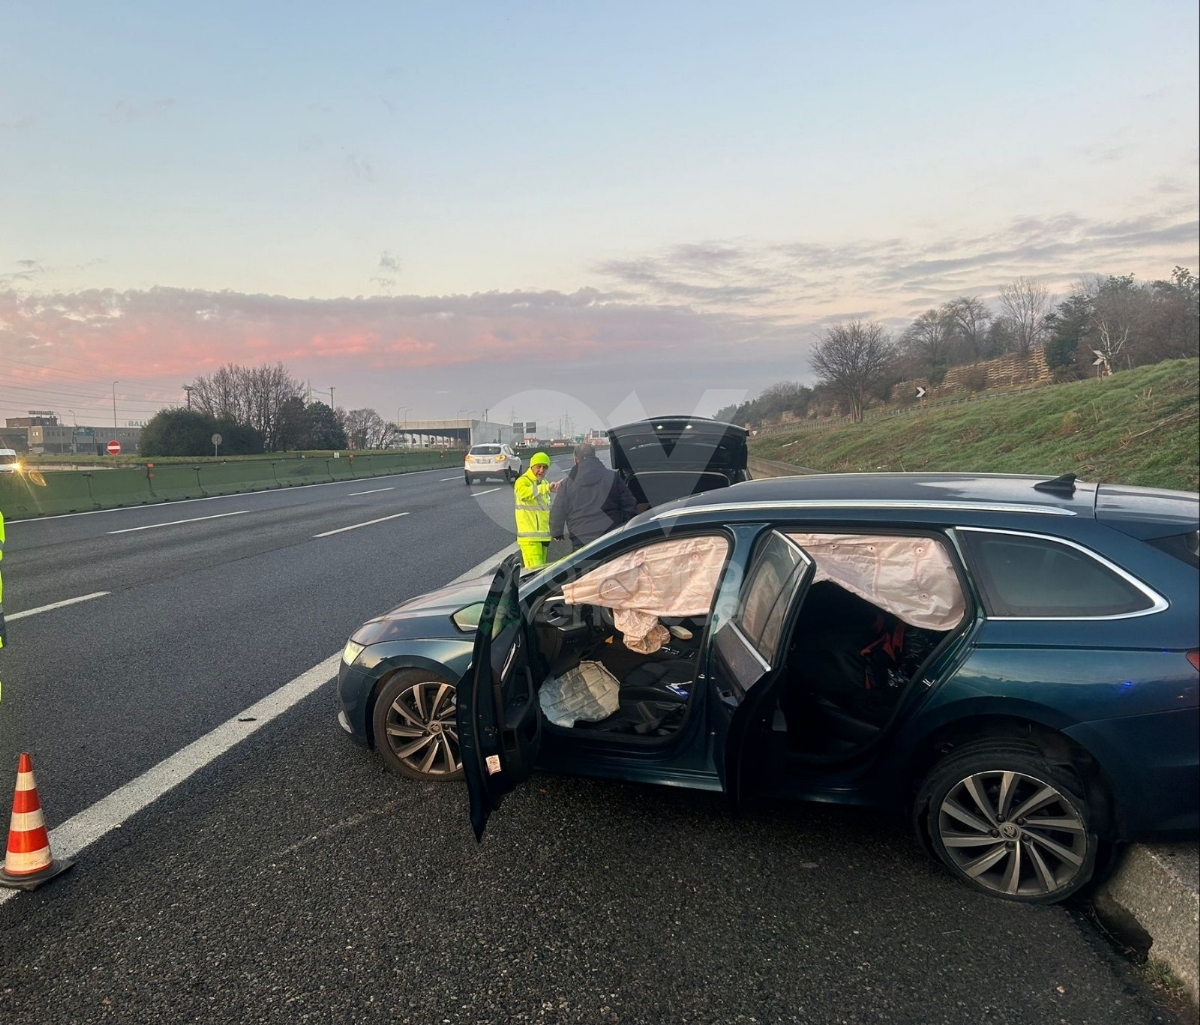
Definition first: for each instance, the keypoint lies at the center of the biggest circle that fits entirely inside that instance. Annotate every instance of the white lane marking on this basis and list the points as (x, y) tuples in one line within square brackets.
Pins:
[(56, 605), (109, 812), (9, 524), (376, 491), (444, 479), (355, 526), (489, 491), (175, 523)]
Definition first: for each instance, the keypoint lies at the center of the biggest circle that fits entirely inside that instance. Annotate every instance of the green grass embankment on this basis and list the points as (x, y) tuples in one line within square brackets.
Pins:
[(1137, 427)]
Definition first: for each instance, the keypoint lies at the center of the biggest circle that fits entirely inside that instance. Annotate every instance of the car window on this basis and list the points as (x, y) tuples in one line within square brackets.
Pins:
[(1036, 577), (485, 450), (766, 593)]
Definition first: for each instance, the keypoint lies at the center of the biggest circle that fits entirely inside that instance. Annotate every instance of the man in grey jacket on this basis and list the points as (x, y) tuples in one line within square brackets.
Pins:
[(591, 501)]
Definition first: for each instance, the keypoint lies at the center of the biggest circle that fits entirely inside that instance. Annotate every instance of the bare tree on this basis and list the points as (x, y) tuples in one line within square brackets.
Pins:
[(1026, 303), (968, 317), (365, 428), (853, 359), (1122, 315), (927, 343), (252, 397)]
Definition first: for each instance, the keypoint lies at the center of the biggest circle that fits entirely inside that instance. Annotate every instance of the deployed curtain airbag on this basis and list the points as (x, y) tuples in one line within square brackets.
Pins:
[(913, 578)]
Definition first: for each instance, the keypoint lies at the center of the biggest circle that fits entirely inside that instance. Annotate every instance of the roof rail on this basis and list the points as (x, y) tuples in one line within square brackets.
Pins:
[(1062, 485)]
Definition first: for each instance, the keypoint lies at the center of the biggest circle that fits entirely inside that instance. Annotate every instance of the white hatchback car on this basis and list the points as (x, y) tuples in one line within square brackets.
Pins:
[(491, 461), (10, 462)]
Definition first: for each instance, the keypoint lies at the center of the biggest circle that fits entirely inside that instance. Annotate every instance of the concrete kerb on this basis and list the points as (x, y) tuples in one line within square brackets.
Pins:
[(1155, 886)]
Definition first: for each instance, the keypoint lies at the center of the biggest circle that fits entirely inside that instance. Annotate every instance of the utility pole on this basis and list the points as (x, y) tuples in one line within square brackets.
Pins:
[(188, 388), (331, 405), (115, 383)]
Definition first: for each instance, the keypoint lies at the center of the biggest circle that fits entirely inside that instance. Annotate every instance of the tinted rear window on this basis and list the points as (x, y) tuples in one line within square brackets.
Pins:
[(1036, 577), (766, 594), (485, 450)]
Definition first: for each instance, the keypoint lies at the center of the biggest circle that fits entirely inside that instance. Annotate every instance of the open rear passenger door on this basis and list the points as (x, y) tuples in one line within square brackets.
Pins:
[(499, 723), (749, 652)]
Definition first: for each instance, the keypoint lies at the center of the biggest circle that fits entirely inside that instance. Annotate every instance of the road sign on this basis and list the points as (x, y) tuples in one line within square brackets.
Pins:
[(113, 448), (920, 392), (217, 439)]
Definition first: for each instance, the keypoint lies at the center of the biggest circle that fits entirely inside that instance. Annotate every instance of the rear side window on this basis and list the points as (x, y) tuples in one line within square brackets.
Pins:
[(1035, 577), (766, 594)]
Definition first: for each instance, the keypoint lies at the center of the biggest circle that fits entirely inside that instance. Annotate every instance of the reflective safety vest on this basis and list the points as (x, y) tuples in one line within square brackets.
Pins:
[(1, 580), (533, 507)]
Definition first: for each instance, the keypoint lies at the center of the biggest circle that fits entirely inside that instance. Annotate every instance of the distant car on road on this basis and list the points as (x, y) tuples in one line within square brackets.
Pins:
[(1012, 661), (10, 462), (483, 461)]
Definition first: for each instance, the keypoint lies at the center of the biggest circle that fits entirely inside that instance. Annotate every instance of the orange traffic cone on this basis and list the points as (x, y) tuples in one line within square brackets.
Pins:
[(28, 862)]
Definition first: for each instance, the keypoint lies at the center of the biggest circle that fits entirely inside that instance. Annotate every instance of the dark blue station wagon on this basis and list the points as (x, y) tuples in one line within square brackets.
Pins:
[(1013, 661)]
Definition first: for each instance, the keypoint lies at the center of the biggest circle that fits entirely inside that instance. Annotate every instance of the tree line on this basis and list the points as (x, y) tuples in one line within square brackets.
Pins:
[(259, 409), (1104, 324)]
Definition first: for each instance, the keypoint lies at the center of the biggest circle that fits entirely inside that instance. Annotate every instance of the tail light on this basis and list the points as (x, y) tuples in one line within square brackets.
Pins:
[(1194, 658)]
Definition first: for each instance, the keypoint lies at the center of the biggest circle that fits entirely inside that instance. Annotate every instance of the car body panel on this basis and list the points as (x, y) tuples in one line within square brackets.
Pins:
[(670, 457), (1146, 512), (499, 722), (1120, 689)]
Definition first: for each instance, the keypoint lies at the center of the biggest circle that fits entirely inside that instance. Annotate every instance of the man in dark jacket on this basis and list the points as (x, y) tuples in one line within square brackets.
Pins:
[(591, 501)]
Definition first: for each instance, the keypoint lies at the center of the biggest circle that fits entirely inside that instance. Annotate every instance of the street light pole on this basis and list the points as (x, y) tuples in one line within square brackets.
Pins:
[(331, 405), (74, 433), (115, 383), (188, 388)]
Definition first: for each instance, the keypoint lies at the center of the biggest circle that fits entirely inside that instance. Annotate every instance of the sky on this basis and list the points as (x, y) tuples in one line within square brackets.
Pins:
[(551, 210)]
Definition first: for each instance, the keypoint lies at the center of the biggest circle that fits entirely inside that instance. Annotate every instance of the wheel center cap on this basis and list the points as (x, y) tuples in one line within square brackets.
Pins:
[(435, 727), (1009, 831)]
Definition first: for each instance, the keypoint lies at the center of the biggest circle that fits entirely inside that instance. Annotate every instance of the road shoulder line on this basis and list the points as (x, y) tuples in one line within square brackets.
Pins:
[(107, 814)]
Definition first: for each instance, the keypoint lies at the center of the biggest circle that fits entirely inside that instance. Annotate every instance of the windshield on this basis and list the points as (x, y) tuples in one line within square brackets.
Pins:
[(485, 450), (7, 458)]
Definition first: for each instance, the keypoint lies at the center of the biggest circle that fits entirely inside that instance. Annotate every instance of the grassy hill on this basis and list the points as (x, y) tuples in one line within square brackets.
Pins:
[(1137, 427)]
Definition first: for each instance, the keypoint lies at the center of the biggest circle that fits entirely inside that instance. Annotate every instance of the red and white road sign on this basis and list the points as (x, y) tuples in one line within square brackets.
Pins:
[(113, 448)]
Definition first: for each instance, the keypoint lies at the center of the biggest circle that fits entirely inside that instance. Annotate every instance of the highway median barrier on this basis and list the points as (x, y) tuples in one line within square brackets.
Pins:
[(113, 488), (175, 481), (33, 493), (25, 495)]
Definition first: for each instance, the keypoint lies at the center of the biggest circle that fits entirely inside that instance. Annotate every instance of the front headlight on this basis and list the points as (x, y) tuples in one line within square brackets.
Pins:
[(351, 651)]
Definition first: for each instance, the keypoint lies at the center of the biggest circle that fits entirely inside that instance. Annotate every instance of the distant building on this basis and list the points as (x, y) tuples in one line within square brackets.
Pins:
[(33, 420), (59, 439)]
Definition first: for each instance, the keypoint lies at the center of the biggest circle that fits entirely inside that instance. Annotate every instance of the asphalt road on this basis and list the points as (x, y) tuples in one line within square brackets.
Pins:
[(213, 604), (293, 879)]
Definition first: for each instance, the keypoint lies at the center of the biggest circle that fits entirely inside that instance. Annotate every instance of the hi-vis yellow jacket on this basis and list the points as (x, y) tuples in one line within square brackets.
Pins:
[(533, 507), (1, 580)]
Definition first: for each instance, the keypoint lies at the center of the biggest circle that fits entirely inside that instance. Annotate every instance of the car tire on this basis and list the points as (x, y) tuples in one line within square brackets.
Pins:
[(467, 479), (414, 726), (1008, 822), (509, 476)]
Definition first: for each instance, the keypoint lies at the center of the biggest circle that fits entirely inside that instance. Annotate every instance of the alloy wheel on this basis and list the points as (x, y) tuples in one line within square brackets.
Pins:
[(1013, 834), (422, 730)]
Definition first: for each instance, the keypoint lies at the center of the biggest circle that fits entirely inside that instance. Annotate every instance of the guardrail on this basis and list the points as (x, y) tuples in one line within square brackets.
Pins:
[(32, 494)]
